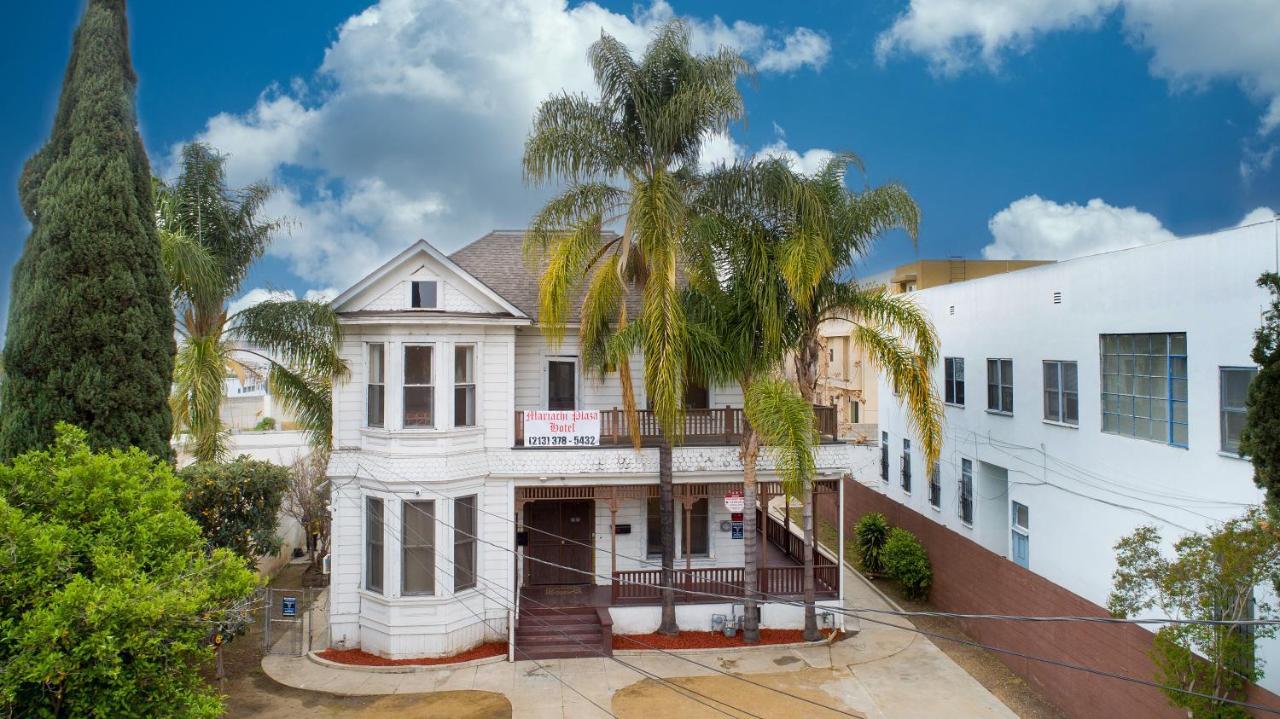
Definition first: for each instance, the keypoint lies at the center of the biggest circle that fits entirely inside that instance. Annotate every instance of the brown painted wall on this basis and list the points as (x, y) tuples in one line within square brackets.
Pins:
[(969, 579)]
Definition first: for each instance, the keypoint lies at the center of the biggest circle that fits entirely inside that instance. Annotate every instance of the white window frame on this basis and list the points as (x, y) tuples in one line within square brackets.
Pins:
[(404, 384), (884, 457), (407, 543), (1223, 410), (904, 472), (966, 489), (368, 384), (950, 395), (473, 384), (370, 541), (935, 486), (1061, 392), (409, 298), (546, 379), (1001, 381), (466, 544)]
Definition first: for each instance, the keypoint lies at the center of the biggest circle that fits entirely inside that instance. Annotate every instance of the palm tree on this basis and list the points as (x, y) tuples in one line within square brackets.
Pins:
[(835, 228), (209, 237), (630, 158)]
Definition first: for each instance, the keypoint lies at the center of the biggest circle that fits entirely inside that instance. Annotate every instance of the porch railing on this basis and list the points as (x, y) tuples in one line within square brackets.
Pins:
[(702, 427), (708, 584)]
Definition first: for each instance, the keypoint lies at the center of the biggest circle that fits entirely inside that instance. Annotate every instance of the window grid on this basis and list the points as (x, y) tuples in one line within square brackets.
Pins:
[(419, 388), (417, 547), (464, 386), (1233, 392), (1000, 385), (1061, 392), (373, 549), (464, 543), (1144, 386), (966, 491), (376, 387), (954, 380), (906, 465)]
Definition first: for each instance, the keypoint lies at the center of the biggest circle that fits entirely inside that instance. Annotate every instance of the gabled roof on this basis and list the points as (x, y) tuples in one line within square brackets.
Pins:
[(461, 272), (497, 260)]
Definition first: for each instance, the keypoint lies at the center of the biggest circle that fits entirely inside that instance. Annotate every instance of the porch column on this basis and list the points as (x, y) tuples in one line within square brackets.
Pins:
[(613, 533)]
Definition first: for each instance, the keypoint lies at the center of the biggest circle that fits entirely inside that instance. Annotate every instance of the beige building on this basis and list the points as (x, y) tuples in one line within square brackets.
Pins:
[(846, 378)]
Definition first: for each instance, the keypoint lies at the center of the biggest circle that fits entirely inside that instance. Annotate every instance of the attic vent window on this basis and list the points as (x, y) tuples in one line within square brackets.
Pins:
[(1057, 298), (423, 294), (951, 310)]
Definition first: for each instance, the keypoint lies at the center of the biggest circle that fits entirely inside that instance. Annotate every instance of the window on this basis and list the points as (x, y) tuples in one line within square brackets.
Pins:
[(419, 394), (966, 491), (854, 410), (422, 294), (376, 389), (696, 396), (373, 544), (1020, 534), (1144, 386), (906, 465), (935, 486), (562, 384), (1233, 387), (464, 386), (1061, 392), (464, 543), (831, 355), (653, 528), (1000, 385), (954, 381), (693, 539), (418, 548), (884, 456)]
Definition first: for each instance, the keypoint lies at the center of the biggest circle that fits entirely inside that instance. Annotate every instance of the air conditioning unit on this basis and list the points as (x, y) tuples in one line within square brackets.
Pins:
[(325, 564)]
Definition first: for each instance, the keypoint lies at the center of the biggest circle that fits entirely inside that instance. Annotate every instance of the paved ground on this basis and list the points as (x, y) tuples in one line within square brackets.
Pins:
[(883, 672)]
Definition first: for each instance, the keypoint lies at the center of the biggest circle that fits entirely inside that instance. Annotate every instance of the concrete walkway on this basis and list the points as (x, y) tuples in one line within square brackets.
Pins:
[(883, 672)]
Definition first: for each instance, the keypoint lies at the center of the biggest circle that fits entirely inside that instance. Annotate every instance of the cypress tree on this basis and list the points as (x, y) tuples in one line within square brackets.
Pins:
[(90, 338), (1260, 438)]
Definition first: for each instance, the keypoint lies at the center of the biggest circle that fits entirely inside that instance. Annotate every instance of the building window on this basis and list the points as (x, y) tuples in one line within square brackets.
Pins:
[(1233, 387), (966, 491), (1020, 534), (418, 548), (854, 411), (423, 294), (376, 389), (1061, 392), (693, 539), (1144, 386), (653, 528), (419, 394), (464, 543), (562, 384), (906, 466), (884, 456), (1000, 385), (373, 544), (464, 386), (935, 486), (954, 371)]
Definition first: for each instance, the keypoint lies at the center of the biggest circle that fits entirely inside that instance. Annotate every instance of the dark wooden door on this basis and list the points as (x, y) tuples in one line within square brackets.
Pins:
[(560, 542)]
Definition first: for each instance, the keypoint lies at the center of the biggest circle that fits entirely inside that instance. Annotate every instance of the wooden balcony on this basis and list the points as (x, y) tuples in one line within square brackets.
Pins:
[(702, 427)]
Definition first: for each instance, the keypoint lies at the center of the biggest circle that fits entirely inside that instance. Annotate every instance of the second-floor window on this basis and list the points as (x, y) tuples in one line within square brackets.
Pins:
[(464, 386), (906, 465), (419, 392), (1233, 391), (562, 384), (1000, 385), (1061, 392), (376, 389), (1144, 386), (966, 491), (954, 380)]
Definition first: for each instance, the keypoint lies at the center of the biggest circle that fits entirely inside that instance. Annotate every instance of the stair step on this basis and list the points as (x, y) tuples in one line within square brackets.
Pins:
[(559, 619), (557, 651), (560, 611), (583, 641), (535, 628)]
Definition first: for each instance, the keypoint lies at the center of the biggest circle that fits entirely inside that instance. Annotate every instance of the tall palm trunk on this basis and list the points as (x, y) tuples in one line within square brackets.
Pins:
[(667, 515), (749, 452), (808, 381)]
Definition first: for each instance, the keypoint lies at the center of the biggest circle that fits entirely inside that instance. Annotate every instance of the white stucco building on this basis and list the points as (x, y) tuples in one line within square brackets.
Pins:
[(444, 522), (1088, 397)]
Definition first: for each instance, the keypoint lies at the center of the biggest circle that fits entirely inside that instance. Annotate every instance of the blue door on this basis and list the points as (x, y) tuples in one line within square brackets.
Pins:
[(1020, 542)]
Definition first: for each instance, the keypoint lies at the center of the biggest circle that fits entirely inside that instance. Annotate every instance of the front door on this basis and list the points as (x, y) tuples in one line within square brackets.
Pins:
[(560, 541)]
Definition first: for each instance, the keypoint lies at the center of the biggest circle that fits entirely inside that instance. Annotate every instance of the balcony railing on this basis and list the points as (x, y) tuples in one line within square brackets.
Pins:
[(702, 427)]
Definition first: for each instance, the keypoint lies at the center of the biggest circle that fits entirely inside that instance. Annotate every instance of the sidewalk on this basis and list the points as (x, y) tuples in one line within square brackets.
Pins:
[(883, 672)]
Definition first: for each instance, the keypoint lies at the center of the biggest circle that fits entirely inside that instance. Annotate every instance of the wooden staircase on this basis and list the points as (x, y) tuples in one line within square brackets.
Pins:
[(563, 632)]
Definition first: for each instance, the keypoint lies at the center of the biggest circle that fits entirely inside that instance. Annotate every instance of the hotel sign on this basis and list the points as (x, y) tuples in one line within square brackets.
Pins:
[(577, 428)]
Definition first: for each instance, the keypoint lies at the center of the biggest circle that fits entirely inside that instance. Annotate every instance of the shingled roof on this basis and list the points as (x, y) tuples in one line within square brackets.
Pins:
[(497, 260)]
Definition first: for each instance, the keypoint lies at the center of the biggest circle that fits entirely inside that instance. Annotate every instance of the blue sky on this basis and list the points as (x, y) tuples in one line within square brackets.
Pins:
[(1041, 130)]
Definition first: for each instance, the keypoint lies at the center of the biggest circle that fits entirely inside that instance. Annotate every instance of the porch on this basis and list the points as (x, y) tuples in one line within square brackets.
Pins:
[(702, 427)]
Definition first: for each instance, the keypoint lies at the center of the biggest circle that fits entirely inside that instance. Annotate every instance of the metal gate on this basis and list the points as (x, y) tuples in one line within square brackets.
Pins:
[(295, 620)]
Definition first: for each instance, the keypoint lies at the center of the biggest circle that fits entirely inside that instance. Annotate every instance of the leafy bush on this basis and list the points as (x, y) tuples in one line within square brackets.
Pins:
[(266, 424), (872, 530), (107, 594), (237, 504), (906, 560)]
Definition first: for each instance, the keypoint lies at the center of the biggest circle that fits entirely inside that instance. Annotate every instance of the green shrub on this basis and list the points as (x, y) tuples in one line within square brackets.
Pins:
[(906, 560), (237, 504), (872, 531), (266, 424)]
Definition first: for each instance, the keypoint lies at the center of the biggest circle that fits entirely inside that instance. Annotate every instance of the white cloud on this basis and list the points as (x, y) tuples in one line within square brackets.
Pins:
[(414, 125), (1256, 215), (1033, 228), (807, 162), (1191, 42), (257, 296)]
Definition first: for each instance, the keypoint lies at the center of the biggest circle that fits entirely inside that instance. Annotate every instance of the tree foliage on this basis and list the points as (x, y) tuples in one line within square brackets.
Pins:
[(108, 596), (1260, 439), (237, 504), (90, 334), (871, 532), (307, 500), (1211, 576), (906, 560)]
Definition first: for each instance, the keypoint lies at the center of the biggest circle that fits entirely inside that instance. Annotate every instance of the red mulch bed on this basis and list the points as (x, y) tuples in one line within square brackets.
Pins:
[(707, 640), (364, 659)]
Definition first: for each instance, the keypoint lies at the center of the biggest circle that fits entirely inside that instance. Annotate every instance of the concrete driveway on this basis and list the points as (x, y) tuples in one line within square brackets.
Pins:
[(883, 672)]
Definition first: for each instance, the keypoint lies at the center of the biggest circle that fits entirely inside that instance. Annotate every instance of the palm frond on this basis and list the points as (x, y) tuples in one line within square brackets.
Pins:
[(297, 333), (787, 428), (308, 399), (199, 373), (907, 371), (875, 306)]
